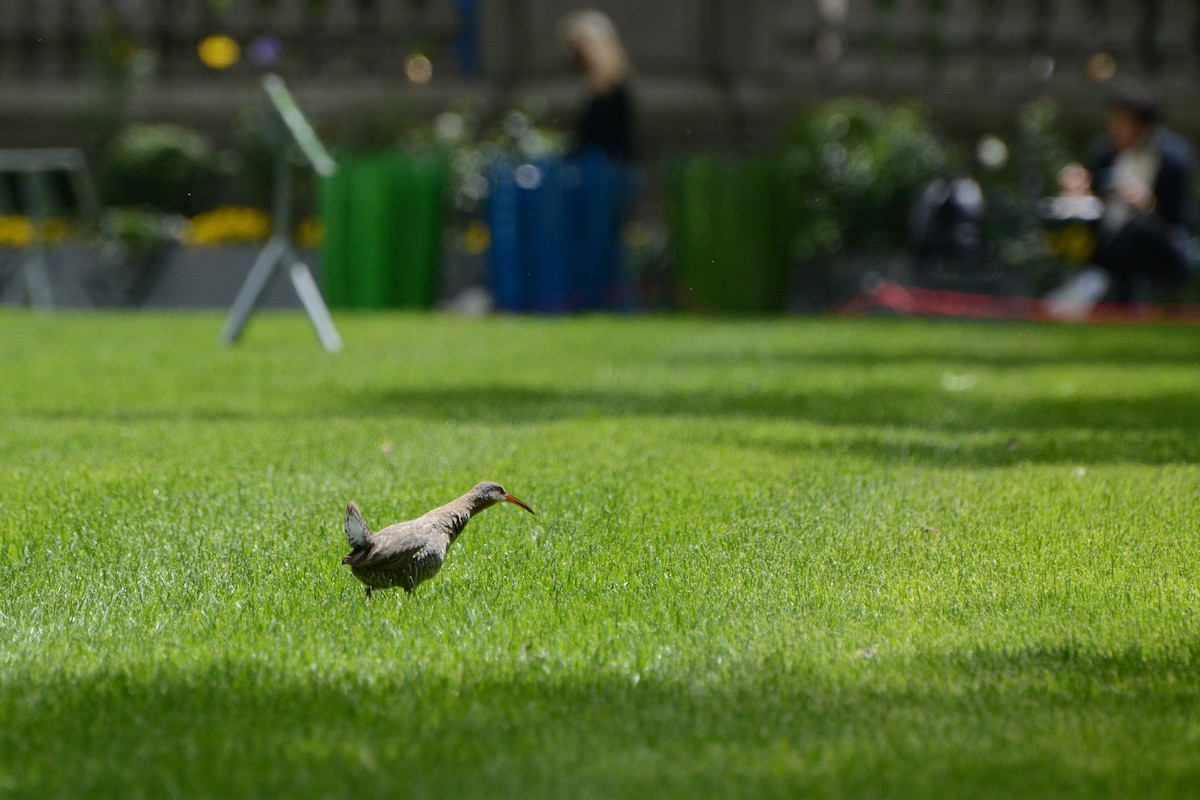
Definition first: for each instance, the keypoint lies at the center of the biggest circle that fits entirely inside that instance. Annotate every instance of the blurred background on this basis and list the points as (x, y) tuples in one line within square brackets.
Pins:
[(781, 156)]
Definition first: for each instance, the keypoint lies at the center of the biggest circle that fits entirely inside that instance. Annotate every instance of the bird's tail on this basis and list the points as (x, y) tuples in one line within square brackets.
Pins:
[(357, 531)]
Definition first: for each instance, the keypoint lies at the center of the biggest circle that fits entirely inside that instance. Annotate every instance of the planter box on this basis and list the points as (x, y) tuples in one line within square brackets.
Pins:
[(184, 277)]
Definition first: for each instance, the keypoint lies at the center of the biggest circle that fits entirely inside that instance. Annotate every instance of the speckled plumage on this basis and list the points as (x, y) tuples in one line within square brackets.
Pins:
[(408, 553)]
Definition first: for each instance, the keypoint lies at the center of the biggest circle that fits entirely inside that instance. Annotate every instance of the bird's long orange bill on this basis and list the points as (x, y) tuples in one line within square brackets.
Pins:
[(515, 501)]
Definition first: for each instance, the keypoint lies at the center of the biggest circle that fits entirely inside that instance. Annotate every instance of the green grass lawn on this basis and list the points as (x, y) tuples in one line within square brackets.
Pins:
[(771, 559)]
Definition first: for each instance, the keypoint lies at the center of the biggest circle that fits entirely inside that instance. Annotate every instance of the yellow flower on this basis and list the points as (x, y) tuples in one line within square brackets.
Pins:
[(476, 238), (310, 232), (218, 52), (15, 231), (227, 225), (18, 231)]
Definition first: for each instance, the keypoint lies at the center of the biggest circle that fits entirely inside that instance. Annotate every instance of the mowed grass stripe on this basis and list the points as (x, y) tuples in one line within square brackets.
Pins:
[(839, 558)]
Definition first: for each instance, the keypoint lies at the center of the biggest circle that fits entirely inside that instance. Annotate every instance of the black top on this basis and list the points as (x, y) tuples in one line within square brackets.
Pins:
[(607, 123), (1172, 185)]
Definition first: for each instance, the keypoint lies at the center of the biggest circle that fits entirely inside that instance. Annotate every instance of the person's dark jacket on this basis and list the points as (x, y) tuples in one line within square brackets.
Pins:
[(1173, 184), (607, 124)]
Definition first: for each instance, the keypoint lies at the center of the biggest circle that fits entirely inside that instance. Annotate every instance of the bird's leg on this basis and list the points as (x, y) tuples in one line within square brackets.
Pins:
[(368, 592)]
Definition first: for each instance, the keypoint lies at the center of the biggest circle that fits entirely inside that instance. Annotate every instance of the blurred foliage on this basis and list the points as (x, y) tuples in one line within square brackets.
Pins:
[(852, 168), (473, 147), (165, 167), (470, 145), (1038, 150), (116, 67), (258, 135), (137, 234), (140, 228)]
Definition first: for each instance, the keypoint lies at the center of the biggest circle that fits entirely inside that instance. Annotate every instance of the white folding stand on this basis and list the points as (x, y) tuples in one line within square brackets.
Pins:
[(278, 251)]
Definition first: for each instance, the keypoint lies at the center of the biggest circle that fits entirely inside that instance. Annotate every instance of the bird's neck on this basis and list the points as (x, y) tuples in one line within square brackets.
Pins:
[(457, 513)]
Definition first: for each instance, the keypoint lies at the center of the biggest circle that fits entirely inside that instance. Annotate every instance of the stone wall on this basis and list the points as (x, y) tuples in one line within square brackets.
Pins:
[(721, 73)]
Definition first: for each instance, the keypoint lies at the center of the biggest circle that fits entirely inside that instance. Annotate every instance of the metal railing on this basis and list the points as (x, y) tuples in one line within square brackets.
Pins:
[(1145, 36), (65, 39)]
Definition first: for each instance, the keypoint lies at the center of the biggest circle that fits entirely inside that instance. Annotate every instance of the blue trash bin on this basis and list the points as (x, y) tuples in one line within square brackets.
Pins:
[(556, 234), (504, 255)]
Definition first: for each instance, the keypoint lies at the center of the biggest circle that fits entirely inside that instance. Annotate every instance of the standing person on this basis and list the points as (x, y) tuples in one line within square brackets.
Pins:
[(1143, 174), (599, 199), (607, 120)]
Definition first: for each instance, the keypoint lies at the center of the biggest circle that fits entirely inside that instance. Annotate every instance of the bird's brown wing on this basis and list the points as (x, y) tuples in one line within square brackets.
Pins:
[(356, 555), (384, 555)]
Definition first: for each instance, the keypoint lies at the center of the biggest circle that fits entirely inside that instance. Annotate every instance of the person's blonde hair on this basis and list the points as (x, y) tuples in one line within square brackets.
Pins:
[(592, 34)]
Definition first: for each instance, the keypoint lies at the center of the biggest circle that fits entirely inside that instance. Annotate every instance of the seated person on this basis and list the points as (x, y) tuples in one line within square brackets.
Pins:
[(1143, 174)]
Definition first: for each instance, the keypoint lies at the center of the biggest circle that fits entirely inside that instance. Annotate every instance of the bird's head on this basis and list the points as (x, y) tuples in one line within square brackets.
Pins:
[(489, 493)]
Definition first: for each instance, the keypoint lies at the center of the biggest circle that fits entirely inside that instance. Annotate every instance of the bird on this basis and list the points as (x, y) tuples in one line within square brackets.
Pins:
[(407, 554)]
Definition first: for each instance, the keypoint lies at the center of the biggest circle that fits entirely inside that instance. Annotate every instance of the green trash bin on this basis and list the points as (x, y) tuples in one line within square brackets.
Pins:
[(383, 228), (334, 209), (728, 234), (418, 240)]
